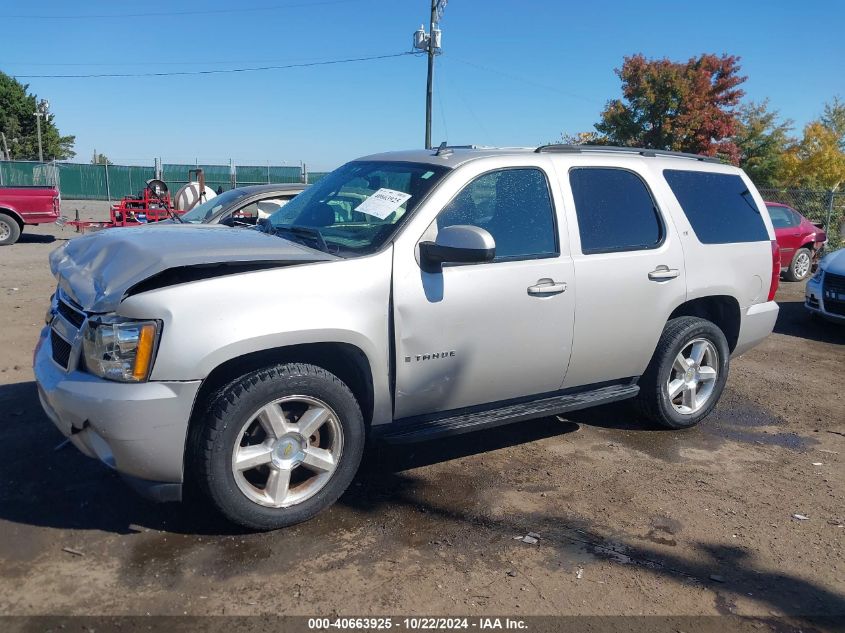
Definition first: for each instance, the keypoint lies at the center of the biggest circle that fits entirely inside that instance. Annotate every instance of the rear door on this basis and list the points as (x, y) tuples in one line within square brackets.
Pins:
[(629, 264)]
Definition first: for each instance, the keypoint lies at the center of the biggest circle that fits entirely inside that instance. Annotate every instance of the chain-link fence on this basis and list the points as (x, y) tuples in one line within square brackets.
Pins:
[(86, 181), (824, 207)]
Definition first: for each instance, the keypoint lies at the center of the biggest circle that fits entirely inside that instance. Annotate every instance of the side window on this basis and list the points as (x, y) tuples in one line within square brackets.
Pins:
[(615, 210), (514, 205), (719, 207)]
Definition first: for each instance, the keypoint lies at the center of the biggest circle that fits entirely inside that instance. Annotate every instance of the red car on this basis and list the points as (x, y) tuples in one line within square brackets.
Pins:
[(800, 241), (26, 205)]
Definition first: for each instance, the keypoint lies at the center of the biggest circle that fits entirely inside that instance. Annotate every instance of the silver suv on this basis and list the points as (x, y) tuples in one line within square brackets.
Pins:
[(405, 296)]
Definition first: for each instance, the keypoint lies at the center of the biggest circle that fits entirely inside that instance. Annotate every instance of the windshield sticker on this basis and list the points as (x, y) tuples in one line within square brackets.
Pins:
[(427, 175), (383, 202)]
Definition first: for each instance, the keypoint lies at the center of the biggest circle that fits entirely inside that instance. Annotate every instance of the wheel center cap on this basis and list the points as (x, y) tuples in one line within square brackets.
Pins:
[(690, 375), (289, 451)]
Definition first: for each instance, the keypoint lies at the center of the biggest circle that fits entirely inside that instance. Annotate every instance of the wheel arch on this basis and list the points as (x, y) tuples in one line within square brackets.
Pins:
[(346, 361), (723, 310), (14, 215)]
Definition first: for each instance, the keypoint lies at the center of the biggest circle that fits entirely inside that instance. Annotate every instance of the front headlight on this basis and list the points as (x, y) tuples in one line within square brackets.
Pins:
[(120, 350), (818, 274)]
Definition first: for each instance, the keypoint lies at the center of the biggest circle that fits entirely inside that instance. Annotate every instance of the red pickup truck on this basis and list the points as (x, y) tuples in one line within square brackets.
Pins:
[(26, 205)]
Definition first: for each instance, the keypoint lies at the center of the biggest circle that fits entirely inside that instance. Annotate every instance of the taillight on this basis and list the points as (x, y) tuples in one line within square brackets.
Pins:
[(773, 288)]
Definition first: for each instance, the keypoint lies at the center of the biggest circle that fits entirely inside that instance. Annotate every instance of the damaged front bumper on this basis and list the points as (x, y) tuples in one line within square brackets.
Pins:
[(138, 429)]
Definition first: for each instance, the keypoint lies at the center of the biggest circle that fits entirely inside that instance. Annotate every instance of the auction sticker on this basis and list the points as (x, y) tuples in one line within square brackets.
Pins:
[(383, 202)]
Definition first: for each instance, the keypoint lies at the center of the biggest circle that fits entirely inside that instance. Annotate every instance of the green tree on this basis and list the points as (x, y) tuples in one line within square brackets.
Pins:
[(762, 140), (681, 106), (17, 121), (833, 118), (101, 159)]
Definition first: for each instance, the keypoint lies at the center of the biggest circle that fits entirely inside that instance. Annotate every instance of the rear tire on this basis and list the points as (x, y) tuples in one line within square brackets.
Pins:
[(10, 230), (277, 446), (801, 265), (686, 375)]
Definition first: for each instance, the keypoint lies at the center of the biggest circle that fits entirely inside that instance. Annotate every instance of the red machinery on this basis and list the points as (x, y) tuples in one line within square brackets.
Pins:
[(153, 204)]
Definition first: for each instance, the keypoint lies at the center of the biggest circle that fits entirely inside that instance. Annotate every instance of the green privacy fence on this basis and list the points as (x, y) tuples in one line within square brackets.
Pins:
[(314, 176), (84, 181), (21, 173), (258, 174)]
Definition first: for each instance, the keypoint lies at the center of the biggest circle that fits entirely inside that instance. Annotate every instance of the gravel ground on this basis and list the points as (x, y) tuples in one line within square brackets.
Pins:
[(631, 520)]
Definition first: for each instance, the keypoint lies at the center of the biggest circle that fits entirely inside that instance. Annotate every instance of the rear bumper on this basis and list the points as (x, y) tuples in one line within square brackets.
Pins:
[(40, 217), (137, 429), (757, 323)]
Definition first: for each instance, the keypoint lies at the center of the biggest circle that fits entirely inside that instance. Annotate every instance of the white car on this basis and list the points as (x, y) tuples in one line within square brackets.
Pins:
[(825, 293)]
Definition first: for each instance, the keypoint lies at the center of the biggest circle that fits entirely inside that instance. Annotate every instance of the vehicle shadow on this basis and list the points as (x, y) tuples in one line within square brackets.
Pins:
[(51, 484), (34, 238), (794, 320)]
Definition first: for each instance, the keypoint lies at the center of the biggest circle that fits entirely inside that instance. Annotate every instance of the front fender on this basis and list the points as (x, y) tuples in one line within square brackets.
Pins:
[(209, 322)]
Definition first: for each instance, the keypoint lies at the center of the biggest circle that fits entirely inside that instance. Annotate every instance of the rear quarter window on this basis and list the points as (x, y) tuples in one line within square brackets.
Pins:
[(719, 207)]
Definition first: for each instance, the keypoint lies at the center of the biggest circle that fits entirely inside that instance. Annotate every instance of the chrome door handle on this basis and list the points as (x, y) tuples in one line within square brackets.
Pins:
[(663, 273), (547, 287)]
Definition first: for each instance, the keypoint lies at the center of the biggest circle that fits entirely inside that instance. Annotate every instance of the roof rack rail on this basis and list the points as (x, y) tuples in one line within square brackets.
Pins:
[(650, 153)]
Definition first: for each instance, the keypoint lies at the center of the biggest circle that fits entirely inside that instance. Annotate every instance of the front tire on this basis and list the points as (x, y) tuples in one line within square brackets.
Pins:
[(686, 375), (800, 266), (10, 230), (277, 446)]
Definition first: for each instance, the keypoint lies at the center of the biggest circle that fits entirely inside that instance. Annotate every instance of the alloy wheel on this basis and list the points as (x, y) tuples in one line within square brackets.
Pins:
[(692, 378), (287, 451), (802, 265)]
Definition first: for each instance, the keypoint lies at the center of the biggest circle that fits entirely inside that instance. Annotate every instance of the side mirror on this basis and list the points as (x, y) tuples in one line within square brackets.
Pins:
[(227, 221), (458, 244)]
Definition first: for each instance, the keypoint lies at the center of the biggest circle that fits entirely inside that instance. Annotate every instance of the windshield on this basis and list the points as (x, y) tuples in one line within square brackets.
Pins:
[(357, 207), (205, 211)]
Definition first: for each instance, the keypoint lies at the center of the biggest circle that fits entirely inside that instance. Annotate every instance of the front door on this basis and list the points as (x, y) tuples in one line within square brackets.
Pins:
[(483, 333)]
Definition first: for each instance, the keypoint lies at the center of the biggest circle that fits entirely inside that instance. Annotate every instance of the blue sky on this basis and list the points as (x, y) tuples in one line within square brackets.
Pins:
[(512, 73)]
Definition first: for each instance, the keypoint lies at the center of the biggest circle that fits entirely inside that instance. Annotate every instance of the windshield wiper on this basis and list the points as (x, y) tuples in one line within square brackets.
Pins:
[(307, 232)]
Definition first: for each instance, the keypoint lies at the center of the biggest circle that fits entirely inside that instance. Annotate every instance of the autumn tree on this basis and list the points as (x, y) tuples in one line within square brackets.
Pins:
[(762, 140), (581, 138), (681, 106), (17, 122), (814, 162)]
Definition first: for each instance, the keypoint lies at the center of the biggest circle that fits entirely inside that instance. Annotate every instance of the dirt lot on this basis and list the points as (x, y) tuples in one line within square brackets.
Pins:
[(632, 520)]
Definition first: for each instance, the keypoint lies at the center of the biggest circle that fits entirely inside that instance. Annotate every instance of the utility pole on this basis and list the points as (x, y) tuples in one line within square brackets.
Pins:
[(41, 111), (38, 116), (7, 155), (430, 42)]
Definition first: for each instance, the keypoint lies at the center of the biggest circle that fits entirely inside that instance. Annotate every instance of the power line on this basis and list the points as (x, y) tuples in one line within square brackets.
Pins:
[(219, 70), (524, 80), (190, 62), (195, 12)]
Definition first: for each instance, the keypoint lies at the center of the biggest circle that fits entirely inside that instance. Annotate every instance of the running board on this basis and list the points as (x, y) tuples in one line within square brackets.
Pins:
[(417, 429)]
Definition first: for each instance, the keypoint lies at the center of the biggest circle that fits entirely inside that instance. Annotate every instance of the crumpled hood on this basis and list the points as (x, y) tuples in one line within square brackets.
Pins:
[(98, 269)]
